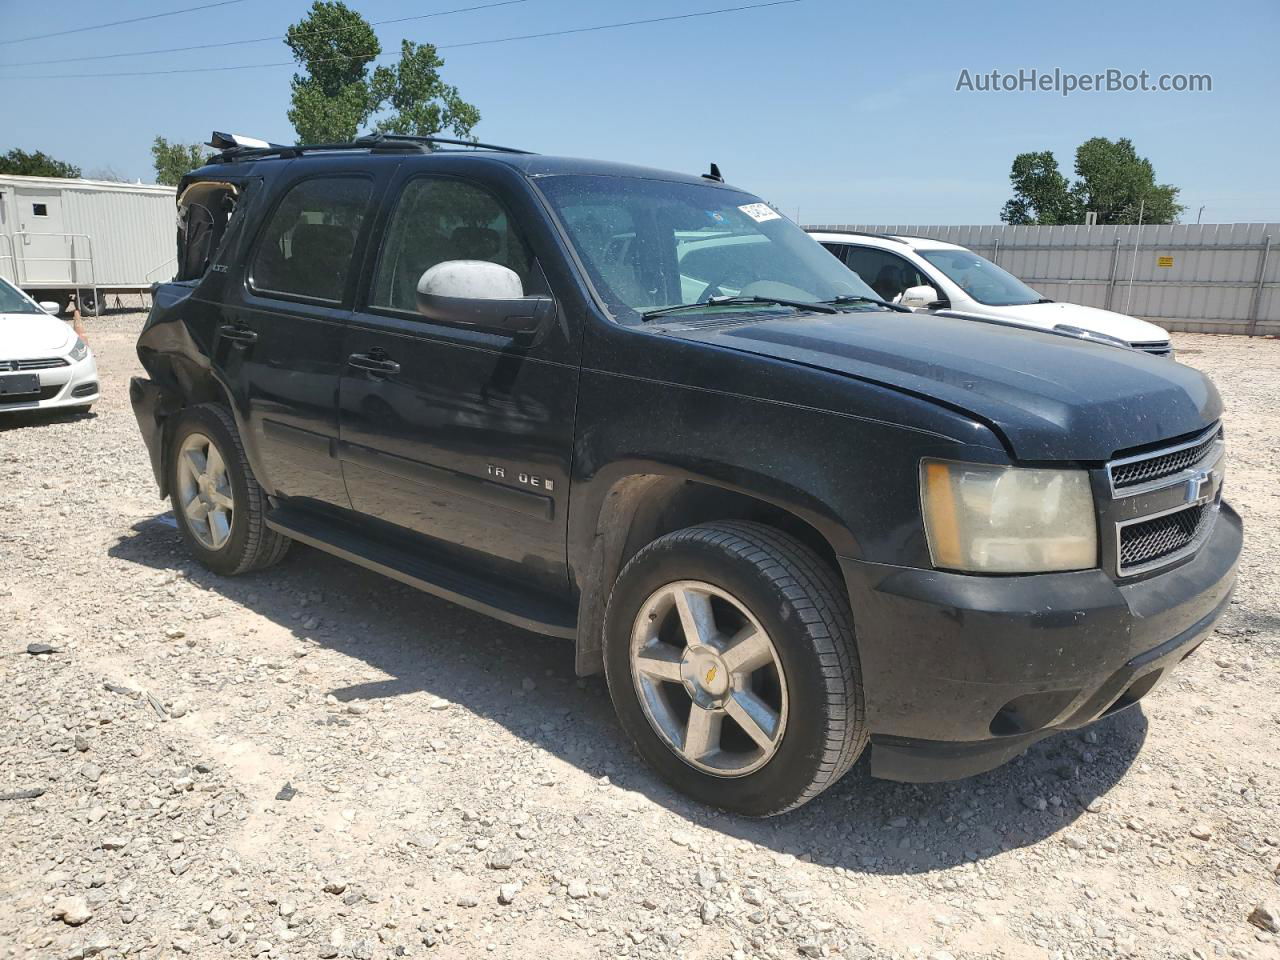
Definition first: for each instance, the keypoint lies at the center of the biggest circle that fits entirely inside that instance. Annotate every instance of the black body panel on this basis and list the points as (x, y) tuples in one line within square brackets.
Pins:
[(466, 442), (1051, 398)]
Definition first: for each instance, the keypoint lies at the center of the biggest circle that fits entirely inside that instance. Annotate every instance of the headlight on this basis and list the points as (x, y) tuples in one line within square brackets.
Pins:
[(984, 518), (80, 350)]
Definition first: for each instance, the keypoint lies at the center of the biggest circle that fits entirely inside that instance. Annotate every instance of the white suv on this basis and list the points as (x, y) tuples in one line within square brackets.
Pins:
[(952, 280)]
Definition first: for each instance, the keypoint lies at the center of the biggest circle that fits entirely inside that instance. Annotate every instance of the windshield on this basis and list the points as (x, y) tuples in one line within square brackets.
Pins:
[(981, 279), (651, 244), (12, 300)]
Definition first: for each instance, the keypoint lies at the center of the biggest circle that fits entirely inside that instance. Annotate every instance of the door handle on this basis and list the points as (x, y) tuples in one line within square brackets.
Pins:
[(373, 362), (238, 333)]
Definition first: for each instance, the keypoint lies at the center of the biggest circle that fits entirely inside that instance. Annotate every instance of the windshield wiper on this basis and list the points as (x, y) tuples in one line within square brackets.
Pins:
[(740, 301), (857, 298)]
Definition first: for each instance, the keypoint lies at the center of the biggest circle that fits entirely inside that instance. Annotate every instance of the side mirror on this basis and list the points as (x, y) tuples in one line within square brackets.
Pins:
[(51, 308), (476, 293), (918, 297)]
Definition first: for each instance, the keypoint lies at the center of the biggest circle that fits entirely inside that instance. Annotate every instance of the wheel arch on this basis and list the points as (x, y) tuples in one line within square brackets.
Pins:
[(180, 383), (642, 502)]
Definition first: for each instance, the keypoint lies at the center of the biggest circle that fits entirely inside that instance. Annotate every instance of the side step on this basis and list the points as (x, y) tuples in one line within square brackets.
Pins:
[(520, 608)]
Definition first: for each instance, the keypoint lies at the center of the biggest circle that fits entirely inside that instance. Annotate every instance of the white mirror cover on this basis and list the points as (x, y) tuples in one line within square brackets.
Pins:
[(918, 296), (471, 280), (49, 307)]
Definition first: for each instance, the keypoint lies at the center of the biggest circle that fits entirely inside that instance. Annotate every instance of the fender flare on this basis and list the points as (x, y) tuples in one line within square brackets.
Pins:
[(601, 531)]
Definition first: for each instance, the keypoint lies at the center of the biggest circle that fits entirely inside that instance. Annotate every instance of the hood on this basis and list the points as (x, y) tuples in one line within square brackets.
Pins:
[(1049, 396), (30, 336), (1049, 315)]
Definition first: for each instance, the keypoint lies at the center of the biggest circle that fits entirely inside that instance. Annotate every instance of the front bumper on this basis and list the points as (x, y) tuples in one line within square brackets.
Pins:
[(75, 385), (962, 673)]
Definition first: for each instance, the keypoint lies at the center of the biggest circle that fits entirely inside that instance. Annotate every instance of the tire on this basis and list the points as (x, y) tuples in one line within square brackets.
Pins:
[(751, 578), (230, 540)]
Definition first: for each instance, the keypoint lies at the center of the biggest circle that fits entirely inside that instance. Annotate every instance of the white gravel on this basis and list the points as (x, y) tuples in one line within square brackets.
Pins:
[(317, 762)]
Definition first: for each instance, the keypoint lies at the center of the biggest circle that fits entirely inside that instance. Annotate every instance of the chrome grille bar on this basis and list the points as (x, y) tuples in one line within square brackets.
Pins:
[(1164, 467)]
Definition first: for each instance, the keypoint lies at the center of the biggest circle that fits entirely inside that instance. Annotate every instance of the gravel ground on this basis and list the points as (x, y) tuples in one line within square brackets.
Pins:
[(314, 761)]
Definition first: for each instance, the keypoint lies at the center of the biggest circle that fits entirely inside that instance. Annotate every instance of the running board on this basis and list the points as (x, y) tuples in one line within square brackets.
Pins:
[(520, 608)]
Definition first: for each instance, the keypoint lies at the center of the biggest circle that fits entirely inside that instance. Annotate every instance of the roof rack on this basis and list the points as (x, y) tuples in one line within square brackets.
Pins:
[(859, 233), (374, 143)]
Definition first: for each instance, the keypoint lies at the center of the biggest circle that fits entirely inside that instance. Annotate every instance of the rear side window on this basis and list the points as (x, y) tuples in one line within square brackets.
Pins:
[(306, 248), (207, 211), (437, 220)]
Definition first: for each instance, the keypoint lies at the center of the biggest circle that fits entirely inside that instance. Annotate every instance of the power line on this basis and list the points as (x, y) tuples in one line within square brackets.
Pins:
[(443, 46), (118, 23), (614, 26), (240, 43)]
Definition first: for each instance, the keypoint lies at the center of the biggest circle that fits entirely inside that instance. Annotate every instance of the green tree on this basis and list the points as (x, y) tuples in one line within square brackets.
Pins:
[(173, 161), (1041, 194), (39, 164), (1112, 181), (1116, 183), (337, 95)]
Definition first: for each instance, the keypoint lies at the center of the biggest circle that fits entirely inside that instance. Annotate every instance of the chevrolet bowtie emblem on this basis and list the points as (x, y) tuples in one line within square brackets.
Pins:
[(1194, 489), (711, 676)]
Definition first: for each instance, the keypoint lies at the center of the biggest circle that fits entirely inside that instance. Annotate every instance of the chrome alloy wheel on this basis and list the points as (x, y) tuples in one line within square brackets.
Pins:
[(709, 678), (204, 490)]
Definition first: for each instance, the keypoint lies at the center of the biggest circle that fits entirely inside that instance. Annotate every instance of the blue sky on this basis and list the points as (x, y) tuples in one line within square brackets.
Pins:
[(837, 110)]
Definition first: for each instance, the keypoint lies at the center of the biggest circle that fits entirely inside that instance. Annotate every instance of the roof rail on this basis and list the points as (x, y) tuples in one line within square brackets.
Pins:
[(859, 233), (374, 143)]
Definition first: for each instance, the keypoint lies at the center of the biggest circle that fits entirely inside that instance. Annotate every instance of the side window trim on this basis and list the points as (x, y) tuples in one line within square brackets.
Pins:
[(268, 219), (379, 242)]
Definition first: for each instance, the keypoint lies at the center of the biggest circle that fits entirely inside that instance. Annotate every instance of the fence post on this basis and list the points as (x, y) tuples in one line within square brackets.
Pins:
[(1256, 307), (995, 253), (1115, 265)]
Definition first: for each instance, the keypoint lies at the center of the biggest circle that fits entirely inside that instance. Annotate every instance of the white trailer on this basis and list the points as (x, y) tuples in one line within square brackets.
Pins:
[(85, 237)]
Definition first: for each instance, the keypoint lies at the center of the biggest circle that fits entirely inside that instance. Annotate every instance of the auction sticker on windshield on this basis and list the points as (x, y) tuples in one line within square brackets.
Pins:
[(760, 212)]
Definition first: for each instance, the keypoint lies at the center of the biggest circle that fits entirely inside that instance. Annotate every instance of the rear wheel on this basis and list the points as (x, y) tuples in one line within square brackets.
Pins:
[(218, 504), (730, 656)]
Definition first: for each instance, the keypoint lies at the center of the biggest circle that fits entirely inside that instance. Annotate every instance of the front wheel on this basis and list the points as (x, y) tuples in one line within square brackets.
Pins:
[(730, 657), (218, 504)]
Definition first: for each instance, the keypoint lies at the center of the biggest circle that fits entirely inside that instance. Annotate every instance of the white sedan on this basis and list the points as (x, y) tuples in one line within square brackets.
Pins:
[(43, 363)]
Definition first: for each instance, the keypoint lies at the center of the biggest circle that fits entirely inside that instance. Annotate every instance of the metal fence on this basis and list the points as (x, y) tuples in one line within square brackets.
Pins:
[(1201, 278)]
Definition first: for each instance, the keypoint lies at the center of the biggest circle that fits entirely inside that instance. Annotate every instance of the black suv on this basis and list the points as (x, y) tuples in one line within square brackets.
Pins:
[(642, 411)]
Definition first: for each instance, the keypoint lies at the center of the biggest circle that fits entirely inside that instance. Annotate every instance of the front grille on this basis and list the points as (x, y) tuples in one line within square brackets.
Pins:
[(45, 363), (1163, 502), (1163, 538), (1158, 348), (1160, 464)]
